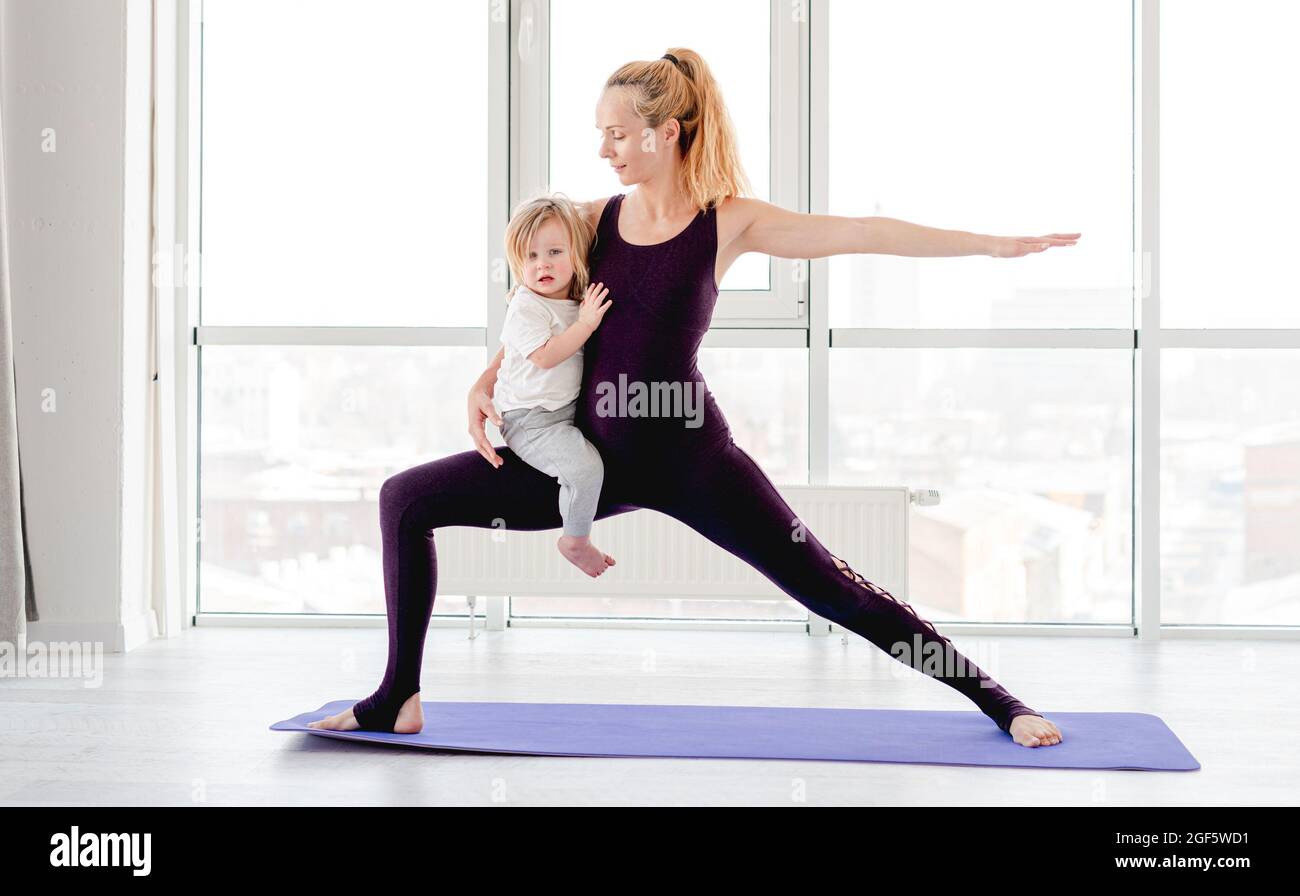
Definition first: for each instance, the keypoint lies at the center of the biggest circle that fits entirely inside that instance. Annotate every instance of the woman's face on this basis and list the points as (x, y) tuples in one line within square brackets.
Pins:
[(632, 150), (548, 268)]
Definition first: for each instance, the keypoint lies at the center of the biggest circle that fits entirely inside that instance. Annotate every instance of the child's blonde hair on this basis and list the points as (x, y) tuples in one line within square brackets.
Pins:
[(529, 216)]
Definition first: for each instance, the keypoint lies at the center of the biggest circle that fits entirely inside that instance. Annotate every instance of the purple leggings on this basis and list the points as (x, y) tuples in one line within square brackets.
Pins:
[(720, 493)]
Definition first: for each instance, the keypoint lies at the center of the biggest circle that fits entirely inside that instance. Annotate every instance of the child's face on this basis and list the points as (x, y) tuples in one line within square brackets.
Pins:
[(548, 267)]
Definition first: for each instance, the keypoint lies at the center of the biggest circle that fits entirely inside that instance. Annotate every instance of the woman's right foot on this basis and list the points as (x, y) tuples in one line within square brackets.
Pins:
[(1034, 731), (579, 551), (410, 719)]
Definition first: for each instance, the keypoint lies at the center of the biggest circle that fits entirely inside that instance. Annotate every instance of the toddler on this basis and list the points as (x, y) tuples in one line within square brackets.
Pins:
[(537, 384)]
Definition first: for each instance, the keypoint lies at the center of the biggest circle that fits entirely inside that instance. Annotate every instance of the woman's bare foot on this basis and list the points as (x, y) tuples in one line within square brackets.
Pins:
[(410, 719), (579, 551), (1034, 731)]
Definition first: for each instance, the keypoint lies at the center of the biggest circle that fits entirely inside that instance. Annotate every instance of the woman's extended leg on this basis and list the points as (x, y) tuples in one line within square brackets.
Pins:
[(459, 490), (728, 499)]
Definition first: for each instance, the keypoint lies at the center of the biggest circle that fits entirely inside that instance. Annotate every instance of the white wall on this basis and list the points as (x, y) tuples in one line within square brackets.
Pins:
[(80, 275)]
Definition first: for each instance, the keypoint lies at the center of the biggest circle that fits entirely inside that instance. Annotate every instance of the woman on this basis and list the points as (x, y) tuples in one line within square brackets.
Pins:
[(661, 251)]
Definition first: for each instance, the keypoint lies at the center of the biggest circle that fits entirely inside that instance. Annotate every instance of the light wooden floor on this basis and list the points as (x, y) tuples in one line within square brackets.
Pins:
[(185, 721)]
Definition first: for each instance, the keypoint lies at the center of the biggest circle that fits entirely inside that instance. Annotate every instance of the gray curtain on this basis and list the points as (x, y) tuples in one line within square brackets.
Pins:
[(17, 598)]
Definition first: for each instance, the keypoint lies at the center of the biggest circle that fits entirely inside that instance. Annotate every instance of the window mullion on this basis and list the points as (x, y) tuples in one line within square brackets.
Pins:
[(817, 115)]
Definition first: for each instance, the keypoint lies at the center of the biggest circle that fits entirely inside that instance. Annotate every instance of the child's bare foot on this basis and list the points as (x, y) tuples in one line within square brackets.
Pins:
[(410, 718), (579, 551), (1034, 731)]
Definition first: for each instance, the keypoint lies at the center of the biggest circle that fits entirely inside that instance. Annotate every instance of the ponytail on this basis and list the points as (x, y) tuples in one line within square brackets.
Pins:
[(686, 90)]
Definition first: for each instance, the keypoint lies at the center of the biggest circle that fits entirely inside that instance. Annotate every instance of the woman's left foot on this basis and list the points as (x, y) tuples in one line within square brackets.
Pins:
[(1034, 731)]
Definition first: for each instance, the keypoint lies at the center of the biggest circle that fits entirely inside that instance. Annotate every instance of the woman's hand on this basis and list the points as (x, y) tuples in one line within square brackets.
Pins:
[(481, 408), (1016, 246), (591, 311)]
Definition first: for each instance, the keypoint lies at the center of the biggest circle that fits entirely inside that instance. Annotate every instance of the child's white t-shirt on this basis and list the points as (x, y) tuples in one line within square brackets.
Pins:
[(530, 321)]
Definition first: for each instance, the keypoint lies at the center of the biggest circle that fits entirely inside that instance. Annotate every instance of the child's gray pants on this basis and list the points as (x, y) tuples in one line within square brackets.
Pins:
[(549, 442)]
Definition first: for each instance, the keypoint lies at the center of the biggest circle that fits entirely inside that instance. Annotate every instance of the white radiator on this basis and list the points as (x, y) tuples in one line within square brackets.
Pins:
[(656, 555)]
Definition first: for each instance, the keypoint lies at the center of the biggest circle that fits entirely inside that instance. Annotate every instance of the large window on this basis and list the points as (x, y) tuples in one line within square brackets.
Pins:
[(344, 262), (343, 181), (1229, 183), (1034, 136), (1035, 523), (359, 165), (296, 441), (1230, 429), (1029, 444), (1230, 486)]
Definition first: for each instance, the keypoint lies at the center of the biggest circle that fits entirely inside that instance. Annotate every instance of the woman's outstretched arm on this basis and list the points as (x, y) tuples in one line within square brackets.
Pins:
[(773, 230)]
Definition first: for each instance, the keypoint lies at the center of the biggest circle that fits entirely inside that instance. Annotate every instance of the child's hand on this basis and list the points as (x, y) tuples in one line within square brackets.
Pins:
[(590, 312)]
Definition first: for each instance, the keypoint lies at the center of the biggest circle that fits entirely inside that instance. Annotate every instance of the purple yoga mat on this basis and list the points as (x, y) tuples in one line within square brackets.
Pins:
[(1113, 740)]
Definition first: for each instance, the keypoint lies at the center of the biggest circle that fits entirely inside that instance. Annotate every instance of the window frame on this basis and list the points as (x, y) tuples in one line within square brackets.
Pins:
[(785, 301)]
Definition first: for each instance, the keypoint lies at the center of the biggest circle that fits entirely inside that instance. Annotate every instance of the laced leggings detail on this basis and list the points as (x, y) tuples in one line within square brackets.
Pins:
[(959, 673), (881, 592)]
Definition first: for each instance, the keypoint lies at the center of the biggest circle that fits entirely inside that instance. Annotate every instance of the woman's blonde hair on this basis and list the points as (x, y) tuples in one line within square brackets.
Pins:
[(528, 218), (685, 90)]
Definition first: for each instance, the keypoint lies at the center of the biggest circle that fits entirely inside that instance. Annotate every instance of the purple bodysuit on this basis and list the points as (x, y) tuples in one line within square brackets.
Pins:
[(666, 446)]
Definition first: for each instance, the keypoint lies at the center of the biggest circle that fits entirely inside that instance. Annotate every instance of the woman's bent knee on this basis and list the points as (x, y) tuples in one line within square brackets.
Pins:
[(417, 486), (393, 499)]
